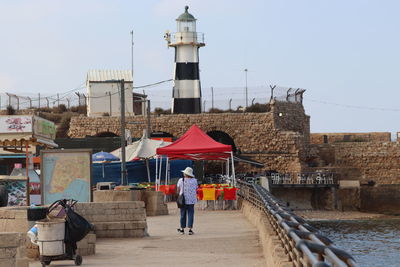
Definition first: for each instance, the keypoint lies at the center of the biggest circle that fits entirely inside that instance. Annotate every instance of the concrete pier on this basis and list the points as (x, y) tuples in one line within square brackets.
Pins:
[(222, 238)]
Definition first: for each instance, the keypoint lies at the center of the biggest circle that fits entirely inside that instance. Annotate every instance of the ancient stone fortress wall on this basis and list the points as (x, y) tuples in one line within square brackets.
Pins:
[(277, 138), (378, 162), (330, 138)]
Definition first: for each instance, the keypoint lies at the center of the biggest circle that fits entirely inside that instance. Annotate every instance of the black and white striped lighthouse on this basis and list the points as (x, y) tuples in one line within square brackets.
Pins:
[(186, 95)]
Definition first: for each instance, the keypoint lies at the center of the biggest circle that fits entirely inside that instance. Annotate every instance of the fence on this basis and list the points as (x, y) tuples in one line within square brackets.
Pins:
[(309, 178), (303, 244), (223, 98)]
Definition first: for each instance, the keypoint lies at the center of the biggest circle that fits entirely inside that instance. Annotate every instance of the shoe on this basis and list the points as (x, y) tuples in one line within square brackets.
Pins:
[(181, 231), (191, 232)]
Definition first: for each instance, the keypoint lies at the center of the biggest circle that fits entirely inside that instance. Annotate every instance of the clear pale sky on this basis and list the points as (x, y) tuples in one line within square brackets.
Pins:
[(342, 52)]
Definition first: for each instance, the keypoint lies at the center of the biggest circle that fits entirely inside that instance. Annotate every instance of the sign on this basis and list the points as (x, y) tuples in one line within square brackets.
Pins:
[(44, 128), (66, 174), (15, 124)]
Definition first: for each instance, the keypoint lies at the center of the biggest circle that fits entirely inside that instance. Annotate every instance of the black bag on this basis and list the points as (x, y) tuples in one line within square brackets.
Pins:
[(180, 201), (76, 227)]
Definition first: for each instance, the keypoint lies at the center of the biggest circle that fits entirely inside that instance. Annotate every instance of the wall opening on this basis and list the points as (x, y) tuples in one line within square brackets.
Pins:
[(223, 138)]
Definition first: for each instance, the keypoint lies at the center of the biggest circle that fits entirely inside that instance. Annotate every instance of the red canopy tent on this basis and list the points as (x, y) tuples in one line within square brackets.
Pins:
[(197, 145)]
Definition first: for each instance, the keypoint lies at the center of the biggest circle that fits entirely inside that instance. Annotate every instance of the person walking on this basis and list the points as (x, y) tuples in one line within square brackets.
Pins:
[(188, 187)]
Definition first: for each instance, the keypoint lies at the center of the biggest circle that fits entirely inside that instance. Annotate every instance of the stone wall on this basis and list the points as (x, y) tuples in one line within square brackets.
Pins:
[(378, 162), (12, 250), (115, 219), (329, 138), (306, 198), (273, 250), (278, 138), (381, 198)]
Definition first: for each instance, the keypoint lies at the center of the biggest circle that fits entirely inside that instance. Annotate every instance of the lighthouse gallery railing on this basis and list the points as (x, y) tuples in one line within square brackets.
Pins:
[(303, 244)]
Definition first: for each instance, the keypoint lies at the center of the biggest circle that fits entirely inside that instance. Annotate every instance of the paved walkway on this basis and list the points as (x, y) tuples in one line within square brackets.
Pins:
[(223, 238)]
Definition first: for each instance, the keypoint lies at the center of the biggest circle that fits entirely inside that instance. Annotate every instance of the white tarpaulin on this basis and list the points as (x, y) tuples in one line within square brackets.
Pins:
[(145, 148)]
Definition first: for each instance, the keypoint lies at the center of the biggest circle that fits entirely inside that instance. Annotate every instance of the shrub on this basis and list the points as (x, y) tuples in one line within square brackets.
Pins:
[(60, 109), (10, 110), (258, 108), (62, 129), (216, 110), (79, 109), (159, 111)]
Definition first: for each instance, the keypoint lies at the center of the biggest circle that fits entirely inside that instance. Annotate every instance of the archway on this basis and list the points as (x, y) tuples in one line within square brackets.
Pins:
[(223, 138)]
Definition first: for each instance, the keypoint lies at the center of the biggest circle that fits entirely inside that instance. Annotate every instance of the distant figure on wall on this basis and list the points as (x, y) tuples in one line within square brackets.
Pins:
[(187, 186)]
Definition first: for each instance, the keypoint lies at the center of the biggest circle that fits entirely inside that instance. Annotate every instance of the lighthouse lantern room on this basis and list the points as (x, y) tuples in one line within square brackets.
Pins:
[(186, 95)]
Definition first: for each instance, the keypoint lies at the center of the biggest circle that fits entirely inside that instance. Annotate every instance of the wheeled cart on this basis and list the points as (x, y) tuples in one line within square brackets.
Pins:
[(55, 238)]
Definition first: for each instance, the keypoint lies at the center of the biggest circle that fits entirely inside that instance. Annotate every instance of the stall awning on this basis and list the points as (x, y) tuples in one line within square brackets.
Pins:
[(23, 140), (196, 145)]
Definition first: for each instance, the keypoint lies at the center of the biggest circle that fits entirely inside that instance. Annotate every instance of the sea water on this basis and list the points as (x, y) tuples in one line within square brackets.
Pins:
[(370, 242)]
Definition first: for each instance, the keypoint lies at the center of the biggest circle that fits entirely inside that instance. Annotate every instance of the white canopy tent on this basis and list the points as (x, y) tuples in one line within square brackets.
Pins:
[(145, 149)]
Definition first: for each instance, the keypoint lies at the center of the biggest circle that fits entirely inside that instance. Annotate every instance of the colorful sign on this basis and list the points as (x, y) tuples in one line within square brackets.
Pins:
[(44, 128), (66, 174), (16, 192), (15, 124)]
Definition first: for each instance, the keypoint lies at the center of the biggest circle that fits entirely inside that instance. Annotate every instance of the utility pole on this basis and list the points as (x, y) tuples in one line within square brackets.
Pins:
[(39, 101), (47, 99), (68, 100), (109, 94), (230, 104), (204, 106), (123, 156), (58, 100), (212, 97), (132, 52), (245, 72), (148, 119)]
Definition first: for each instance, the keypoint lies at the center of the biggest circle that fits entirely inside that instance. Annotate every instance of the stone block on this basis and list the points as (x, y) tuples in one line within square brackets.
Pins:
[(6, 253), (8, 240), (8, 262), (91, 238), (22, 262)]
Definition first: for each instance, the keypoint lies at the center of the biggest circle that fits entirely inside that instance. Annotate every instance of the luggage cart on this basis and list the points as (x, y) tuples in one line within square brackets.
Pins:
[(68, 249)]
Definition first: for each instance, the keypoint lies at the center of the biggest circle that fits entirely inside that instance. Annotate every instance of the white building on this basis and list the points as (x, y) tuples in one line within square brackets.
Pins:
[(103, 92)]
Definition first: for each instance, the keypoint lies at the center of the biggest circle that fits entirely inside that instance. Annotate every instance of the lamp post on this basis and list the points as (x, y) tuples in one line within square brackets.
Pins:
[(245, 73)]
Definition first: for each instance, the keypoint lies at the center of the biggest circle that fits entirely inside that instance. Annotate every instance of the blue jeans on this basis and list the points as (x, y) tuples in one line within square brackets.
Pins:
[(187, 210)]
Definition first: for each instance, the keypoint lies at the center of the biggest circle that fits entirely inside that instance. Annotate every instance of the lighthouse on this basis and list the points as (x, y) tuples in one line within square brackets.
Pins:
[(186, 92)]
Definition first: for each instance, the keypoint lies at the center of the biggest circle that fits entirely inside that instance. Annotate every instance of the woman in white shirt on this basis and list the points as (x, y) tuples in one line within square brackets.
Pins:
[(188, 187)]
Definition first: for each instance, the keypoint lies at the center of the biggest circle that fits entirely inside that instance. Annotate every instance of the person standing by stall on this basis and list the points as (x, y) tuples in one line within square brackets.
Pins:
[(187, 186)]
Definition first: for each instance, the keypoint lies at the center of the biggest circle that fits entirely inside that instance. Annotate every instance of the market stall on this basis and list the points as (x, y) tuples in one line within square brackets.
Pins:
[(197, 145), (21, 134), (144, 149)]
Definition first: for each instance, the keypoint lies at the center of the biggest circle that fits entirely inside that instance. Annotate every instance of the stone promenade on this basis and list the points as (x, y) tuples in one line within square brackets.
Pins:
[(223, 238)]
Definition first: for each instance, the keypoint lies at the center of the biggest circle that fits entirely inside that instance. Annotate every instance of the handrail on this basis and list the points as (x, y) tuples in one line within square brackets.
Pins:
[(303, 243)]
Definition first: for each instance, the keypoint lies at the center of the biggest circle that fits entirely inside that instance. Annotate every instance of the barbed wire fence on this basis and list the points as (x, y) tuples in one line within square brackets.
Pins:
[(230, 98), (160, 95)]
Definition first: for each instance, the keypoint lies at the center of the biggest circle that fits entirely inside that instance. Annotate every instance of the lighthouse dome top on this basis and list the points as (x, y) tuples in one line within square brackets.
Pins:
[(186, 16)]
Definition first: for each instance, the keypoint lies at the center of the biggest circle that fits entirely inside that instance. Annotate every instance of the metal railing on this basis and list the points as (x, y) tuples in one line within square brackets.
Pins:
[(303, 244), (309, 178), (187, 37)]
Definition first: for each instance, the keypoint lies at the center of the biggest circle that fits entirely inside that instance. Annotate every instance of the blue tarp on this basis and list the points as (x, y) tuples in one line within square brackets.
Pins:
[(137, 171)]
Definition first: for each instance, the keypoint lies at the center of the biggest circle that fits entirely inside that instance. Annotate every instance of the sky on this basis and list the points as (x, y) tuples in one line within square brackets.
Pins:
[(344, 53)]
